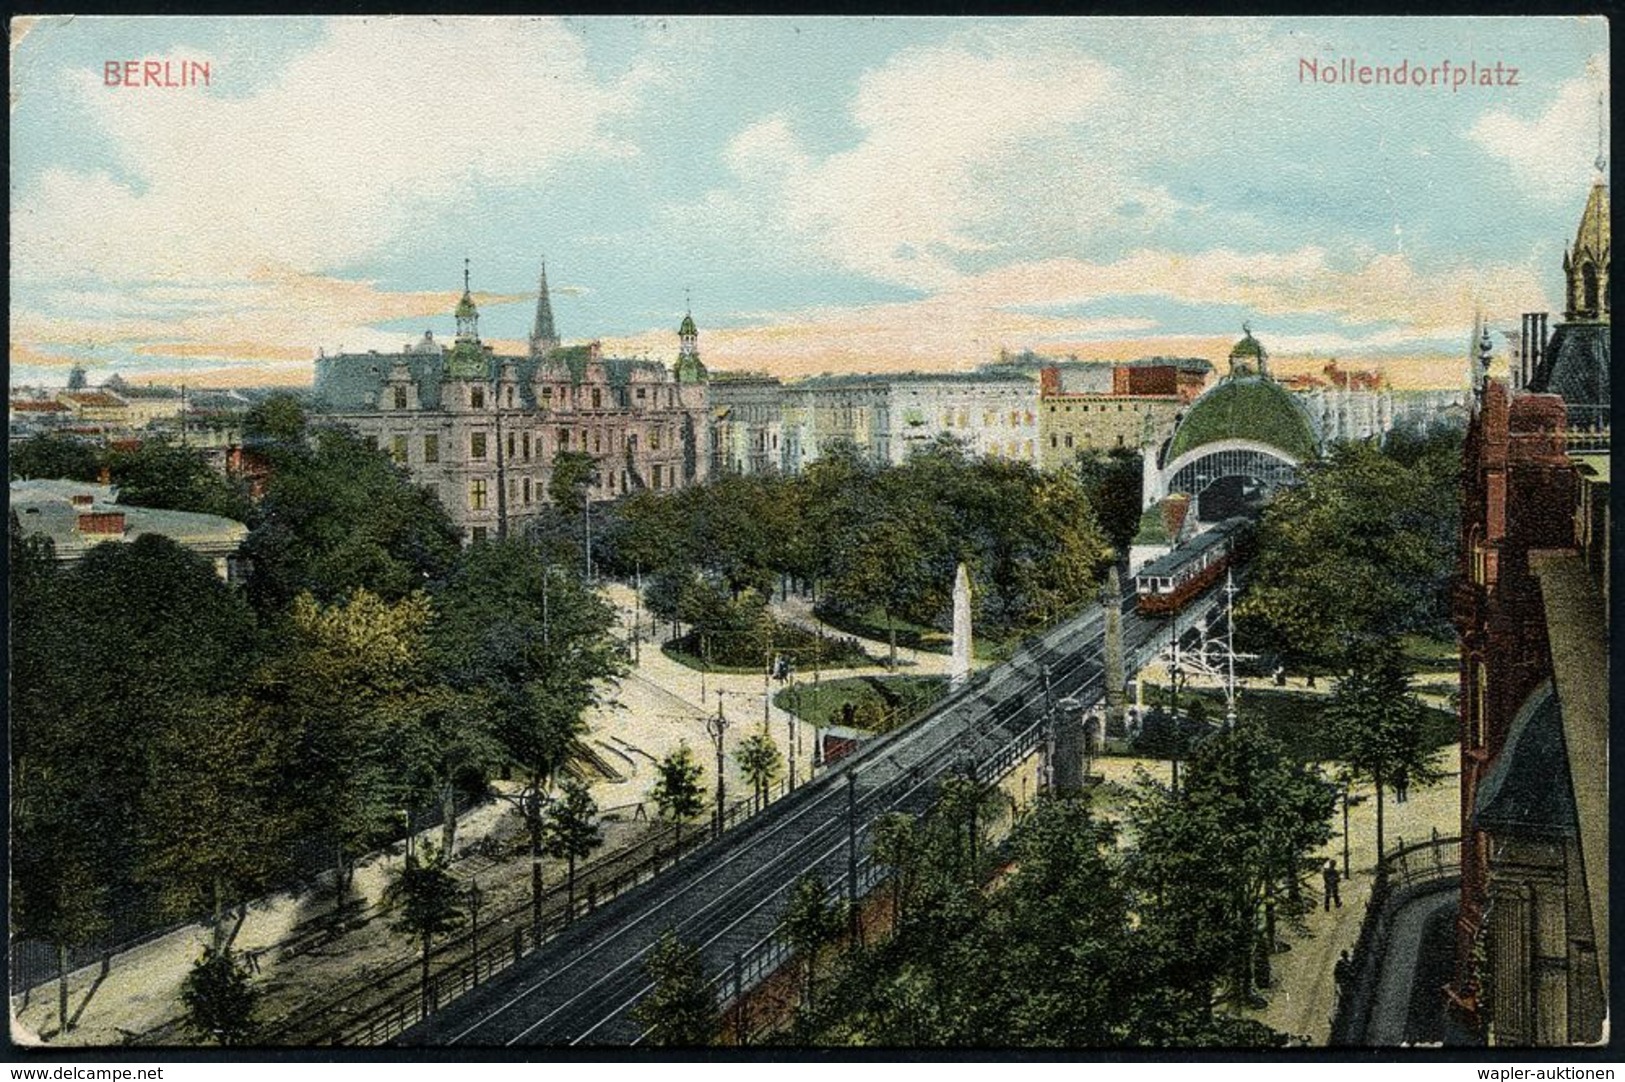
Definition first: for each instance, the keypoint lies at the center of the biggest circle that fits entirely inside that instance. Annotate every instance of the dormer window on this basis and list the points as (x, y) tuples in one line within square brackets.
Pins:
[(476, 397), (400, 398), (510, 398)]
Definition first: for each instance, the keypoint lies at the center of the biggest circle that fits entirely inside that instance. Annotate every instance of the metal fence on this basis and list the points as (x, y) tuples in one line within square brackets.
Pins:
[(1403, 872), (386, 1004)]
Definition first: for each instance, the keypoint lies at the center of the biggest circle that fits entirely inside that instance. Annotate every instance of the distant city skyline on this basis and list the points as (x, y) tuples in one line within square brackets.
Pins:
[(834, 194)]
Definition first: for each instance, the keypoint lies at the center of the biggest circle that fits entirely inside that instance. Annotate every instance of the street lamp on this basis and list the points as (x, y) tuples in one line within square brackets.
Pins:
[(718, 726)]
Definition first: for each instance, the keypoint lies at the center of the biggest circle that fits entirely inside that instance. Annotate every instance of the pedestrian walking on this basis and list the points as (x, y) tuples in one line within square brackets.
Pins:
[(1329, 876), (1402, 787)]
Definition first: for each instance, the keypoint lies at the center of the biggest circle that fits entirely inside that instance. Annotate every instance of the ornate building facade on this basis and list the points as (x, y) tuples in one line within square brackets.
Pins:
[(482, 430), (1531, 611)]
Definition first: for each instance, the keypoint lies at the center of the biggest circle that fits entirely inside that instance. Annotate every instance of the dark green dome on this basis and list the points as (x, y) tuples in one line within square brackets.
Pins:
[(687, 327), (465, 307), (1246, 408)]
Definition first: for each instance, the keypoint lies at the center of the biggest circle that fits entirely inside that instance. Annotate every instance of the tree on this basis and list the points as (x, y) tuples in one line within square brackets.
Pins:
[(220, 1002), (1208, 858), (677, 793), (427, 901), (1111, 482), (1363, 550), (277, 419), (811, 922), (895, 844), (1376, 724), (107, 653), (574, 473), (760, 762), (342, 516), (572, 832), (679, 1010), (166, 475), (898, 562), (347, 678), (50, 456), (213, 828), (1061, 919), (532, 643)]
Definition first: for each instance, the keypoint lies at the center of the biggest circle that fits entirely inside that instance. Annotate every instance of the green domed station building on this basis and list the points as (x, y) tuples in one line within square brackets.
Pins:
[(1245, 437)]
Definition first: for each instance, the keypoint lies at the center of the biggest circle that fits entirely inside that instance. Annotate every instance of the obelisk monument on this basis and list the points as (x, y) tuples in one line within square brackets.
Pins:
[(959, 667)]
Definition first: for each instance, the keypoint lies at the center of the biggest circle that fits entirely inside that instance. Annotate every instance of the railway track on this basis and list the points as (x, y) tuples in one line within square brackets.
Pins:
[(728, 898)]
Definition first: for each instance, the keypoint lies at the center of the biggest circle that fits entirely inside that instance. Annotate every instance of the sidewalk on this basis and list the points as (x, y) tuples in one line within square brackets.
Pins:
[(1303, 997)]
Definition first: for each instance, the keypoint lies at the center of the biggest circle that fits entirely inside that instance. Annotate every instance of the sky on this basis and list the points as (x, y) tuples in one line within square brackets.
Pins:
[(825, 194)]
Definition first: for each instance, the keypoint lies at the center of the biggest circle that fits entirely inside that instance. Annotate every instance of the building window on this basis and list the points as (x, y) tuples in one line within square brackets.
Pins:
[(400, 398), (372, 443), (1053, 441), (655, 476), (564, 439), (597, 398), (397, 449), (476, 445), (525, 443), (1029, 416), (476, 397), (476, 495), (1069, 439), (641, 394), (477, 534), (547, 396), (510, 398), (1119, 439), (597, 438), (525, 488), (654, 441), (510, 445), (431, 448)]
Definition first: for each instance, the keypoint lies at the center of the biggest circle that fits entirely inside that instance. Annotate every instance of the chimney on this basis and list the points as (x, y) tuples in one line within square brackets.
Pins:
[(102, 523), (1049, 381)]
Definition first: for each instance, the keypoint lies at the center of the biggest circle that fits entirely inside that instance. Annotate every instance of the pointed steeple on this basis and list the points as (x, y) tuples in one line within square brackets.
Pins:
[(1587, 264), (544, 337), (468, 316)]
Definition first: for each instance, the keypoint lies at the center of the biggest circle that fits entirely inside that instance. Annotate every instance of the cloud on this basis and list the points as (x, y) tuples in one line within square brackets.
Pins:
[(1380, 289), (1551, 155), (956, 158), (384, 121)]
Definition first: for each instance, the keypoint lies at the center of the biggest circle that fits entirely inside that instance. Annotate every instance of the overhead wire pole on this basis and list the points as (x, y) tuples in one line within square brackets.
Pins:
[(852, 853)]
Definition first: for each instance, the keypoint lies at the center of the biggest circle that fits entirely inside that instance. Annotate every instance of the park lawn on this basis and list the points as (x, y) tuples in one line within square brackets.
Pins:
[(1427, 653), (872, 625), (900, 698), (1294, 718), (802, 647)]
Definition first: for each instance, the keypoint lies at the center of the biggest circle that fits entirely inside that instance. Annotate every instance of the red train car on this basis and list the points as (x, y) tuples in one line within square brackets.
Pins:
[(1167, 583)]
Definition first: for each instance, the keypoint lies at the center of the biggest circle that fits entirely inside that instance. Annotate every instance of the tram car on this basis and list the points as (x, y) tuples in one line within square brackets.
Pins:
[(1165, 584)]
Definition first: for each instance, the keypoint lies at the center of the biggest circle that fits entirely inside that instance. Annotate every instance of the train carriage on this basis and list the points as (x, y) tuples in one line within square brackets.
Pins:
[(1167, 583)]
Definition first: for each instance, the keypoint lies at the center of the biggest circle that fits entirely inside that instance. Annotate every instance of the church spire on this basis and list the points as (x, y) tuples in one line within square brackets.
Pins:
[(544, 337)]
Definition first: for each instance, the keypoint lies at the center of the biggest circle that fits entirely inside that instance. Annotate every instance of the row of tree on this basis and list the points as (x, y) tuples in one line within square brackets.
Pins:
[(873, 539), (1348, 564), (180, 745)]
